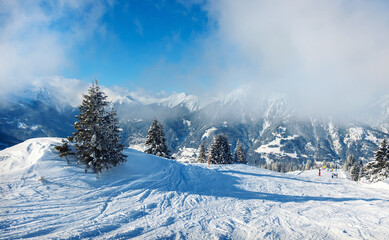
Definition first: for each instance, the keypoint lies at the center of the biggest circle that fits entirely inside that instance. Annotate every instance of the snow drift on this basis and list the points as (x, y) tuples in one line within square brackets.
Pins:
[(151, 198)]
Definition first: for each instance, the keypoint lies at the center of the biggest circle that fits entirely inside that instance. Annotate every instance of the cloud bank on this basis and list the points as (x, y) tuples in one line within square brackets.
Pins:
[(35, 37), (327, 56)]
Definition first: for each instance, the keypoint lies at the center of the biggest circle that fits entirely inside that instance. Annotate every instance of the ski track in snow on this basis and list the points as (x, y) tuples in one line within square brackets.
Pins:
[(154, 198)]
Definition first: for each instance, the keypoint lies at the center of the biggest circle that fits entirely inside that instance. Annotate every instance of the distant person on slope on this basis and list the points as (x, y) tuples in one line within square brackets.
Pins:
[(319, 172)]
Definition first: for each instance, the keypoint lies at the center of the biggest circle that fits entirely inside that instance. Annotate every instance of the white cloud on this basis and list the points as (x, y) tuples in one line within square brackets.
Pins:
[(325, 54), (64, 90), (36, 35)]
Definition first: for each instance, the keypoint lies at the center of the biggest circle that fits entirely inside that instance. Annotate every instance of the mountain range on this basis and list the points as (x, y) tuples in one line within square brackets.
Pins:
[(268, 128)]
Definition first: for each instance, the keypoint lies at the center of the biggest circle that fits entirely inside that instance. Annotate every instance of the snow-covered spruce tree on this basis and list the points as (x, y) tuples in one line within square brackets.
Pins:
[(308, 165), (354, 171), (156, 140), (113, 139), (362, 171), (377, 169), (349, 163), (202, 157), (219, 150), (239, 154), (97, 138), (276, 166), (64, 150)]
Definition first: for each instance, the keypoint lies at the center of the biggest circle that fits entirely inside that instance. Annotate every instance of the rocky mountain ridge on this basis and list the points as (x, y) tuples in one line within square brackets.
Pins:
[(268, 128)]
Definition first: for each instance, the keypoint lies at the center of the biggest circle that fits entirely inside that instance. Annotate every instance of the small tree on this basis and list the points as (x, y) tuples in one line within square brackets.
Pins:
[(156, 140), (219, 150), (113, 140), (64, 150), (308, 165), (378, 168), (202, 157), (276, 166), (239, 154), (362, 170), (354, 171), (349, 163)]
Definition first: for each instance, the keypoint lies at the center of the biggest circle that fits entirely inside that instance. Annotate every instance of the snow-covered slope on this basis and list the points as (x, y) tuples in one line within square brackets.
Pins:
[(154, 198)]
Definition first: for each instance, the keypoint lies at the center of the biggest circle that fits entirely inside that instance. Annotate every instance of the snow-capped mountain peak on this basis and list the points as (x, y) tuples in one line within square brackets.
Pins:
[(191, 102)]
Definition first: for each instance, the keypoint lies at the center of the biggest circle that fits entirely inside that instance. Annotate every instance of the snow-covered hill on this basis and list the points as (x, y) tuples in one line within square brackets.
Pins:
[(153, 198)]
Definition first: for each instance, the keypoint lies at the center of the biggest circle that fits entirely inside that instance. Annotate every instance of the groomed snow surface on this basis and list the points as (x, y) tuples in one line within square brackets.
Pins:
[(154, 198)]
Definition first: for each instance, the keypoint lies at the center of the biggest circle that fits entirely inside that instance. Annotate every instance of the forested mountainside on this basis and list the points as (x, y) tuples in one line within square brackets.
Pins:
[(269, 130)]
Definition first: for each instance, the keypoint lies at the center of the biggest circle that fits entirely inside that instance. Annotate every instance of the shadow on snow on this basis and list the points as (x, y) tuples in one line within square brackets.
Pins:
[(170, 175)]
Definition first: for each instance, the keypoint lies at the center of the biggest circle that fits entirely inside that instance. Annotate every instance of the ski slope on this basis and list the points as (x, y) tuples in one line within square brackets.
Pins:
[(154, 198)]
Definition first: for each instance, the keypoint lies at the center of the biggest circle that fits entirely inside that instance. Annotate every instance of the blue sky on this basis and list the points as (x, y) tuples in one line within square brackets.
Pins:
[(323, 54), (139, 35)]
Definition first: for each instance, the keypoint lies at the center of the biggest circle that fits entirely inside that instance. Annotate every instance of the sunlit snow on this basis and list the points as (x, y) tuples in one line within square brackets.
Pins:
[(149, 197)]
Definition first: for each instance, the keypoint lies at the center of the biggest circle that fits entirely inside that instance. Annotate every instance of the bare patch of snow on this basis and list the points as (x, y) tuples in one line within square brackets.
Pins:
[(22, 125), (208, 132), (265, 126), (335, 138), (35, 127), (186, 122), (186, 155), (370, 136), (274, 147), (354, 134)]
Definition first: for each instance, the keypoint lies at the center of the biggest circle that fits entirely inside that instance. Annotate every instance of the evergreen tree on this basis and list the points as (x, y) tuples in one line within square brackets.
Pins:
[(64, 150), (362, 170), (97, 137), (378, 168), (349, 163), (239, 154), (308, 165), (202, 157), (276, 166), (354, 171), (156, 140), (113, 140), (219, 150)]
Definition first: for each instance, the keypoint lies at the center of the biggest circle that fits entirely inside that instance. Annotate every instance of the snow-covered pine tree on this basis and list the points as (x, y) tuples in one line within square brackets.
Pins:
[(349, 163), (64, 150), (308, 165), (377, 169), (152, 138), (164, 152), (94, 131), (202, 157), (155, 139), (113, 140), (276, 166), (219, 150), (239, 154), (354, 171), (362, 170)]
